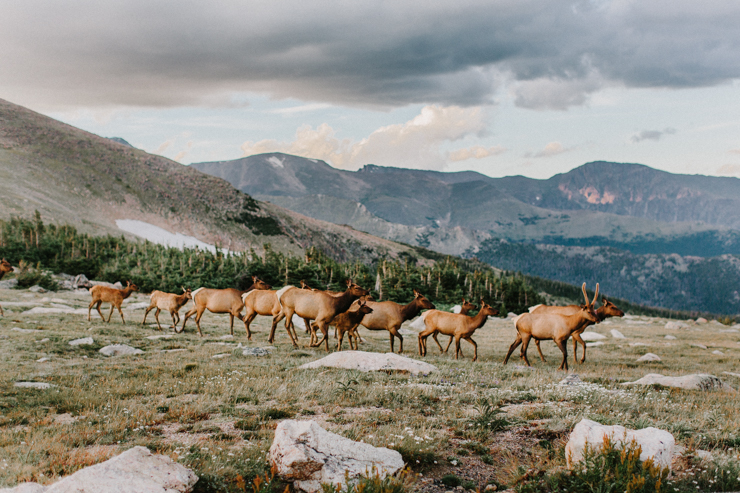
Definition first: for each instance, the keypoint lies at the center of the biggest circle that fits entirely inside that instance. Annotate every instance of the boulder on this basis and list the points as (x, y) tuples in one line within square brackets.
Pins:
[(670, 337), (307, 455), (617, 335), (656, 444), (718, 352), (85, 341), (36, 289), (9, 284), (592, 336), (676, 325), (700, 346), (648, 357), (119, 350), (701, 320), (81, 282), (25, 488), (365, 361), (699, 381), (595, 344)]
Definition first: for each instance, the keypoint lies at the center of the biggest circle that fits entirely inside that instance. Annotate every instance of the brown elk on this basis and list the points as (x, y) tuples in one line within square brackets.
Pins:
[(261, 302), (317, 305), (220, 301), (113, 296), (347, 322), (606, 310), (389, 315), (552, 326), (5, 267), (170, 302), (465, 307), (457, 325)]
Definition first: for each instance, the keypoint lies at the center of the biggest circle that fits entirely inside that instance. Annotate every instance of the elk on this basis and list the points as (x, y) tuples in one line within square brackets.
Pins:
[(465, 307), (113, 296), (348, 321), (5, 267), (263, 302), (456, 325), (170, 302), (220, 301), (606, 310), (389, 315), (317, 305), (545, 325)]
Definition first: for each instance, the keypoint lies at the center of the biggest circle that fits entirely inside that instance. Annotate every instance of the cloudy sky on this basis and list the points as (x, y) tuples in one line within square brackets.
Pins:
[(500, 87)]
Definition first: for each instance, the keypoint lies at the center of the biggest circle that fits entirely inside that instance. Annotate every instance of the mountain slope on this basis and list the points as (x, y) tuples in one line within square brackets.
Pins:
[(71, 176)]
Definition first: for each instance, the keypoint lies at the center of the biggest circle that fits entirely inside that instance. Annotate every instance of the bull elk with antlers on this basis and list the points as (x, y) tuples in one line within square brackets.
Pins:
[(5, 267), (553, 326), (220, 301), (113, 296)]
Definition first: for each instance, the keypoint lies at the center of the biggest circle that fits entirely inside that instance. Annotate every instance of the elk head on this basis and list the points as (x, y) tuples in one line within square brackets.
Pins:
[(131, 286), (187, 292), (466, 305), (364, 309), (356, 290), (609, 309), (422, 301), (258, 283), (304, 285), (5, 266), (487, 309)]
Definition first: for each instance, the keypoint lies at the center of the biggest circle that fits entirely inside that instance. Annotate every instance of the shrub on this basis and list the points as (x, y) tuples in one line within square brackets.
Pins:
[(372, 483)]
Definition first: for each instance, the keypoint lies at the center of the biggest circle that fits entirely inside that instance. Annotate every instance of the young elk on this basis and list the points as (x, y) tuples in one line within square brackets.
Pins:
[(606, 310), (465, 307), (265, 303), (554, 326), (456, 325), (347, 322), (220, 301), (5, 267), (389, 315), (113, 296), (170, 302), (317, 305)]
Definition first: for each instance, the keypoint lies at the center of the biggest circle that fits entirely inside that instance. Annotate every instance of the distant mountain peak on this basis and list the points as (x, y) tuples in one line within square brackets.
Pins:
[(120, 141)]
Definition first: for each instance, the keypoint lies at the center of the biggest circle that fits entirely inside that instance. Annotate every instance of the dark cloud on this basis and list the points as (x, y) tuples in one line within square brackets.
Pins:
[(551, 54), (652, 134)]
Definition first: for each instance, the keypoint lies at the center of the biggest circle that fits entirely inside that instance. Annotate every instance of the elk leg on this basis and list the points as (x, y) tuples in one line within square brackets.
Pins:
[(248, 317), (525, 343), (394, 332), (97, 307), (513, 347), (457, 346), (276, 318), (340, 338), (325, 332), (143, 322), (156, 317), (452, 338), (564, 348), (198, 316), (434, 336), (175, 322), (110, 315), (577, 339), (121, 312), (537, 343), (188, 314), (471, 341)]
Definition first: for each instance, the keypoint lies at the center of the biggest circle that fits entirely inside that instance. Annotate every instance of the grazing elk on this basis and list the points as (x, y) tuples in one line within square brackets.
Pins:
[(456, 325), (5, 267), (389, 315), (113, 296), (606, 310), (317, 305), (347, 322), (220, 301), (170, 302), (554, 326)]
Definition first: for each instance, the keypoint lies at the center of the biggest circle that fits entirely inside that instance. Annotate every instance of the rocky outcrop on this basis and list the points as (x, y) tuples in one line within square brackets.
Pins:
[(306, 455), (365, 361), (699, 381), (656, 444)]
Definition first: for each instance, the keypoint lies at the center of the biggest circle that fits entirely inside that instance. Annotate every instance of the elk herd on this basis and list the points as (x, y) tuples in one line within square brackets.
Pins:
[(346, 311)]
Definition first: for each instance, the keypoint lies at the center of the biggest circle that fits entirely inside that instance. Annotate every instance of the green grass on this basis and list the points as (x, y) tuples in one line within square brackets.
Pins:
[(217, 416)]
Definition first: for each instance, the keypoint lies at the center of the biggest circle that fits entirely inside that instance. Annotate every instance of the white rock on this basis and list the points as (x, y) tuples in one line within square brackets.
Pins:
[(717, 352), (227, 337), (418, 324), (732, 331), (36, 289), (699, 381), (732, 374), (257, 351), (617, 335), (595, 344), (308, 455), (43, 360), (24, 331), (136, 470), (41, 310), (25, 488), (670, 337), (511, 315), (701, 320), (456, 309), (700, 346), (119, 350), (648, 357), (634, 344), (655, 443), (219, 356), (676, 325), (137, 306), (85, 341), (365, 361), (592, 336), (406, 332), (34, 385), (571, 380), (162, 336)]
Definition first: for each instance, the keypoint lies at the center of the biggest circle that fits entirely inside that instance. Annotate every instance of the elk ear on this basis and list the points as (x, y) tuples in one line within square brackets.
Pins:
[(349, 282), (416, 294)]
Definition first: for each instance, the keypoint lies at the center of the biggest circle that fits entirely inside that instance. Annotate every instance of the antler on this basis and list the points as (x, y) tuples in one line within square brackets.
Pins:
[(596, 294), (583, 288)]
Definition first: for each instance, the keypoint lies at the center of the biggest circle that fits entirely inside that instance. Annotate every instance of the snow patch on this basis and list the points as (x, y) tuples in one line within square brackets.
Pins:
[(276, 162), (160, 236)]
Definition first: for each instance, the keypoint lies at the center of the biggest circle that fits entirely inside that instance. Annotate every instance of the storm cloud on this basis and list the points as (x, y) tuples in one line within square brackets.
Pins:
[(360, 53)]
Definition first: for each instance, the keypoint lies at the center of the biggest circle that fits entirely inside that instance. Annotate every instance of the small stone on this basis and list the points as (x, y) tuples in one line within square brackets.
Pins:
[(219, 356), (617, 335), (670, 337), (34, 385), (85, 341), (37, 289), (162, 336), (595, 344), (700, 346), (43, 360), (490, 487), (701, 320), (45, 339), (119, 350), (256, 351), (571, 380), (634, 344), (24, 331), (676, 325), (718, 352), (648, 357), (227, 337), (592, 336)]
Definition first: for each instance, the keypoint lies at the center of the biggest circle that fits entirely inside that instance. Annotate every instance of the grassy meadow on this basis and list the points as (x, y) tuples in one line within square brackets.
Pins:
[(203, 403)]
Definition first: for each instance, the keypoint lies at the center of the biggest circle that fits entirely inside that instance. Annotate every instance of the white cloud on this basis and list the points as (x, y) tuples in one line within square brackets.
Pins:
[(551, 149), (652, 134), (729, 170), (475, 152), (414, 144)]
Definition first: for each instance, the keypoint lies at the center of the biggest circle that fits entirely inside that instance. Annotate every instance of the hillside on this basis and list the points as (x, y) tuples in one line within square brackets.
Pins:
[(74, 177), (639, 208)]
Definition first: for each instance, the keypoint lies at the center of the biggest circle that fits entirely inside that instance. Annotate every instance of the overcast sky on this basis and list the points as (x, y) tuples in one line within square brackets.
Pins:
[(500, 87)]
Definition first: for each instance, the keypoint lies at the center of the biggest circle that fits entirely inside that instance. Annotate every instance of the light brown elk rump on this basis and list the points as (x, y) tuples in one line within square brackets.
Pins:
[(104, 294), (220, 301)]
